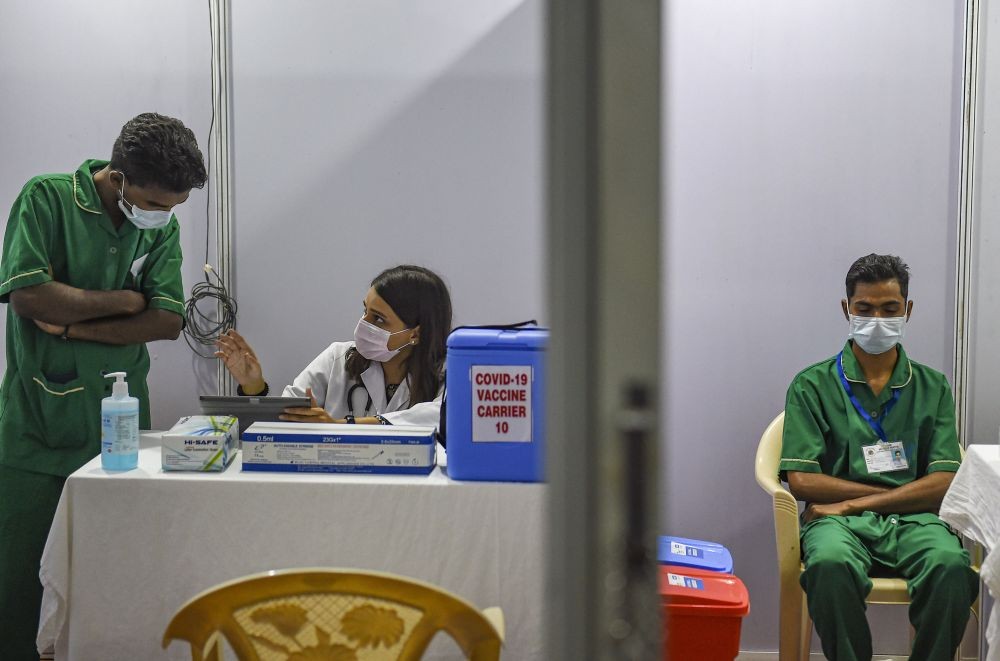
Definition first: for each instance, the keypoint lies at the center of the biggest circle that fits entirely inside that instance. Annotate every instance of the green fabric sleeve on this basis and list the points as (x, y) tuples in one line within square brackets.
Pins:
[(25, 260), (943, 452), (802, 443), (161, 275)]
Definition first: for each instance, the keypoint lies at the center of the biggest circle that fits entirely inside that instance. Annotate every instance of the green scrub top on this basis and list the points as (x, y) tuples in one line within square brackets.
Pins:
[(51, 393), (824, 433)]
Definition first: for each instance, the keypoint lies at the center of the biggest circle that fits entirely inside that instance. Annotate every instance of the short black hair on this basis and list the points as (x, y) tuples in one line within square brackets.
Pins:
[(878, 268), (156, 150)]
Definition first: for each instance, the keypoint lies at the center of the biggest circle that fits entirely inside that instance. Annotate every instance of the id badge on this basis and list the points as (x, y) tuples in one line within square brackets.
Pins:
[(885, 457)]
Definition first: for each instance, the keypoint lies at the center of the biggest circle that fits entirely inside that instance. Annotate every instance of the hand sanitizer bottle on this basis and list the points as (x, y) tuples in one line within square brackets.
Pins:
[(119, 427)]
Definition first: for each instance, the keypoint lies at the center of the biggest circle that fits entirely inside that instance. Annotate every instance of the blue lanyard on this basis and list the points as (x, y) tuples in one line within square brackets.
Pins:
[(876, 425)]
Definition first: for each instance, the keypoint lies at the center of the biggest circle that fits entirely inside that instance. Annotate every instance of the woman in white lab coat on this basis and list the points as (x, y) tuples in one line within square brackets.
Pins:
[(393, 371)]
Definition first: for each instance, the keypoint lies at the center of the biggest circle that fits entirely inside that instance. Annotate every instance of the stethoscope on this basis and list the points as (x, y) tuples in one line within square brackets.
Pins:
[(350, 399)]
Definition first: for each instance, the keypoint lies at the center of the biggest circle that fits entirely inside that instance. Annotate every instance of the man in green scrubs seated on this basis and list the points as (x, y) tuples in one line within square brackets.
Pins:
[(870, 445), (91, 272)]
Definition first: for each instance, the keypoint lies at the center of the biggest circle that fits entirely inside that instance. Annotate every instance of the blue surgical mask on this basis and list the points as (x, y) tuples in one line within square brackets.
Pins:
[(144, 219), (877, 334)]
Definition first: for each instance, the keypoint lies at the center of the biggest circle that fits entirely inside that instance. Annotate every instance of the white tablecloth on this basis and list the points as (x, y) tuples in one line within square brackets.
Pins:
[(972, 506), (127, 549)]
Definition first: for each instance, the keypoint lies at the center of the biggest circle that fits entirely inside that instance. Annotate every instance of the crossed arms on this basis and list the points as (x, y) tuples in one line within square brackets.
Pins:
[(828, 495), (109, 317)]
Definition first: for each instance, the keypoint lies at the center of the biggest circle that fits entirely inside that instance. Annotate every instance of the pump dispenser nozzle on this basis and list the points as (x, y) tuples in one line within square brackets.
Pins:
[(120, 389)]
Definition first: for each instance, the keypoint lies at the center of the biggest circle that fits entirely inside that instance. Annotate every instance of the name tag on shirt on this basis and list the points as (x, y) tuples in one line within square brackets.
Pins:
[(885, 457)]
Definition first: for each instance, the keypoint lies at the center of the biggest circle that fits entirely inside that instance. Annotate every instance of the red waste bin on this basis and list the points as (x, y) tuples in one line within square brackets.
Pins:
[(702, 612)]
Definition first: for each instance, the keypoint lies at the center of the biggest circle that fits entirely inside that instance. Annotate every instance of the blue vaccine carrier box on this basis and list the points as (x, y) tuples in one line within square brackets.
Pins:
[(495, 412), (694, 553)]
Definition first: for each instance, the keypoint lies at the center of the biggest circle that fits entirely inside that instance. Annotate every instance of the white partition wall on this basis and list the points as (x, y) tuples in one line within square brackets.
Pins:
[(984, 414), (71, 74), (798, 137), (369, 134), (366, 134), (984, 358)]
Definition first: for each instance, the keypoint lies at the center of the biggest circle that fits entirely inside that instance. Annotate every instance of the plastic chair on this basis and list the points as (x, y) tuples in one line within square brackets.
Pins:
[(794, 623), (339, 615)]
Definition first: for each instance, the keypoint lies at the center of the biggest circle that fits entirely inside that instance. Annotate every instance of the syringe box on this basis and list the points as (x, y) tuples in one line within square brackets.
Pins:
[(338, 448), (200, 443)]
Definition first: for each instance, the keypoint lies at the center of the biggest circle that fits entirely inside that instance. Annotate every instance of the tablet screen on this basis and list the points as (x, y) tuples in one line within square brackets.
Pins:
[(249, 410)]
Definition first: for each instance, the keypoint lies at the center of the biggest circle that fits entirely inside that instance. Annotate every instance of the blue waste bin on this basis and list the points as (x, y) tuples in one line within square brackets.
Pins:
[(694, 553)]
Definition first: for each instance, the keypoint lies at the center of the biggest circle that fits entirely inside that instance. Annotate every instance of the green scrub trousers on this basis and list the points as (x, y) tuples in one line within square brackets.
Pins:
[(839, 551), (27, 504)]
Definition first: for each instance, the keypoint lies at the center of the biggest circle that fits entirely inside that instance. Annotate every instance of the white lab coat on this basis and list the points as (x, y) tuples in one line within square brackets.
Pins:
[(330, 383)]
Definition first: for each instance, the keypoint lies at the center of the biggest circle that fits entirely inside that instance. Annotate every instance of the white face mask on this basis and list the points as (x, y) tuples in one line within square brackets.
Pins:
[(372, 342), (144, 219), (876, 334)]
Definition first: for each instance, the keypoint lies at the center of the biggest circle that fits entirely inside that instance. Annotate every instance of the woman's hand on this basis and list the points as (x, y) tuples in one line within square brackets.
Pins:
[(241, 361), (315, 413)]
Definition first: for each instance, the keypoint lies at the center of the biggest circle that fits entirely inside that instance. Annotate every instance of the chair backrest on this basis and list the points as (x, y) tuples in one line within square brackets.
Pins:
[(342, 615), (769, 455)]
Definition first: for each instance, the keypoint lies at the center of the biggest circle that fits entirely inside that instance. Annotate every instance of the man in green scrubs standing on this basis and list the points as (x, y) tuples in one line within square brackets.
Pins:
[(90, 272), (870, 444)]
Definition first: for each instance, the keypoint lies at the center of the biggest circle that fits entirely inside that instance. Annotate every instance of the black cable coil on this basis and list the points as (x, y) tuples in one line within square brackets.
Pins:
[(201, 329)]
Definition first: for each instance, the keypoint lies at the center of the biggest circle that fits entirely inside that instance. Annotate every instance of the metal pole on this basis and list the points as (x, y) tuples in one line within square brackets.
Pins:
[(604, 299), (221, 149), (966, 217), (965, 244)]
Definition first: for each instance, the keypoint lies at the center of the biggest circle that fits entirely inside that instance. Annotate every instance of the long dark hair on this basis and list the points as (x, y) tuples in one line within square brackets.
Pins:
[(419, 298)]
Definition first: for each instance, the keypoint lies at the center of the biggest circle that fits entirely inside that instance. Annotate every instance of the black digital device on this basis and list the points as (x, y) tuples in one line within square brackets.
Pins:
[(250, 409)]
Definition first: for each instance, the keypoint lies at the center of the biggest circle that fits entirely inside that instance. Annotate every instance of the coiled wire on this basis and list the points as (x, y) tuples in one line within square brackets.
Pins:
[(203, 326)]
